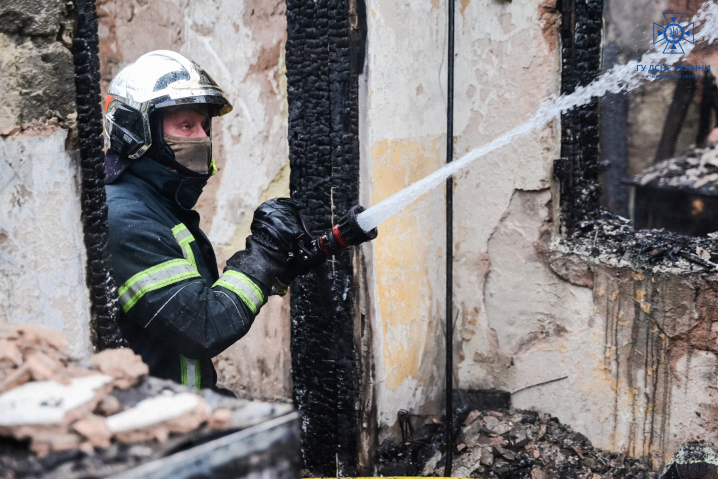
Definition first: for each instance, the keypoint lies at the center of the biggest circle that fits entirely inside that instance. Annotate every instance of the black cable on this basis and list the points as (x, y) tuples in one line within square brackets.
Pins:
[(449, 372), (103, 291)]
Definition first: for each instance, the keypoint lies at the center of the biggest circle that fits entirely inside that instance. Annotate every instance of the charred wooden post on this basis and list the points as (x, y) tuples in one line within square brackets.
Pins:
[(103, 291), (581, 31), (324, 55)]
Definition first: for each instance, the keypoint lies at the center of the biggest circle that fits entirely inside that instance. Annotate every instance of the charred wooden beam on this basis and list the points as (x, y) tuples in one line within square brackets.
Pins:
[(324, 55)]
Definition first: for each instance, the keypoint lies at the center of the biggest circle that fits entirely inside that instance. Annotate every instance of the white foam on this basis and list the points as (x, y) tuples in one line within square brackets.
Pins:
[(617, 79)]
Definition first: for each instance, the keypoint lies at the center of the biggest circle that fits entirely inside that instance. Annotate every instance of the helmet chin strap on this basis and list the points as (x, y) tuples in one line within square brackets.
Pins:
[(161, 152)]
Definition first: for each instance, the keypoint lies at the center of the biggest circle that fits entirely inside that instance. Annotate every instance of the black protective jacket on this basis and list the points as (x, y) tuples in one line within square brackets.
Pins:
[(176, 311)]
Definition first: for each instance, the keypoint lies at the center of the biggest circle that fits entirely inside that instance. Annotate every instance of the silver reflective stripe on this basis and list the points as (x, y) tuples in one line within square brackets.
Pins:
[(191, 373), (190, 370), (183, 234), (153, 278), (184, 238), (188, 255), (243, 287)]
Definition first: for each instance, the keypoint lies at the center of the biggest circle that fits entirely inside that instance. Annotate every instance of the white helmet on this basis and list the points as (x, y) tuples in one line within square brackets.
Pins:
[(155, 80)]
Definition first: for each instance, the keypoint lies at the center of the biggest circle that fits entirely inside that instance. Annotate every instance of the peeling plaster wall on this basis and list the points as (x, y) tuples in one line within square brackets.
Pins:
[(241, 44), (507, 62), (402, 138), (42, 251), (639, 369), (627, 357)]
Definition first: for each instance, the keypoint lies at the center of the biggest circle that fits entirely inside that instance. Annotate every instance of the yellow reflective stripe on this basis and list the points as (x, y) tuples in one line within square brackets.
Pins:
[(153, 278), (183, 368), (191, 375), (243, 287), (213, 167), (184, 238)]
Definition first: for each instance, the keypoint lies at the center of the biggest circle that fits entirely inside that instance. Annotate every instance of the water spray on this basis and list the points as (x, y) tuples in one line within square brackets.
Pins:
[(359, 225)]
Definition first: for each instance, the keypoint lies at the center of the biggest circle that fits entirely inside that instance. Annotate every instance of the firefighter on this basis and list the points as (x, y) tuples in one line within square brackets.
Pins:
[(176, 311)]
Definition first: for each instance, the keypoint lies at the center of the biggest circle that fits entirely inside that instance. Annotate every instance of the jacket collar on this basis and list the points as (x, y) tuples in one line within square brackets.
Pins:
[(180, 190)]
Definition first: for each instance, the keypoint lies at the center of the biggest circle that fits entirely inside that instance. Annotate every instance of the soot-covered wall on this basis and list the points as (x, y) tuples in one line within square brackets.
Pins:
[(323, 54)]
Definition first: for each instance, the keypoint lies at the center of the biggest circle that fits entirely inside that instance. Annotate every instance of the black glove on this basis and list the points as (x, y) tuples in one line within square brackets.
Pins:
[(276, 224), (275, 229)]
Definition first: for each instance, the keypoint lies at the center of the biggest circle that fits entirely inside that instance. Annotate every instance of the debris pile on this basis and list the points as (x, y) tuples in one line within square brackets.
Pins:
[(697, 169), (510, 444), (693, 461), (97, 413), (612, 240)]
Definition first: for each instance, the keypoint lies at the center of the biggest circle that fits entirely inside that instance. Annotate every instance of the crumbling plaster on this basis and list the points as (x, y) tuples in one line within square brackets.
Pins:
[(241, 44), (36, 70)]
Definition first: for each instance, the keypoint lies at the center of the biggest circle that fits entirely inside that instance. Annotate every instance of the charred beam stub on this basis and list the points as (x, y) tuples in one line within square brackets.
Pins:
[(103, 292), (324, 52), (581, 31), (682, 98), (614, 141)]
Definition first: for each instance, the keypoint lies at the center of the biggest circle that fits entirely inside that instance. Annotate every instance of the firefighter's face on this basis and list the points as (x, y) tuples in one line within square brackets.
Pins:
[(186, 123)]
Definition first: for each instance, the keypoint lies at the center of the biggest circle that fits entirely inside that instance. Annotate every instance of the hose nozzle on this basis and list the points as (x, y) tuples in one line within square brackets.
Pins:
[(345, 233), (312, 251)]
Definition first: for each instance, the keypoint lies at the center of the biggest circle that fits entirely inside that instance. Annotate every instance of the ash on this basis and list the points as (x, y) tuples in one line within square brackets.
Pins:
[(508, 444), (611, 240)]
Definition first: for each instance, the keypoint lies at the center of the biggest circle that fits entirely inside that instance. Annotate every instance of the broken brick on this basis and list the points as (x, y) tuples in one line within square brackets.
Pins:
[(42, 367), (122, 364), (108, 406), (220, 419), (94, 429), (10, 355)]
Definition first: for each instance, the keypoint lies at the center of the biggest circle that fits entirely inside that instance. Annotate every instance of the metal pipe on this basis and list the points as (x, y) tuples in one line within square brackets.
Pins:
[(449, 372)]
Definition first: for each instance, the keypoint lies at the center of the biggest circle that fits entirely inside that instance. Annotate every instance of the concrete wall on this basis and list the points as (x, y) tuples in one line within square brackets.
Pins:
[(42, 253), (241, 44)]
